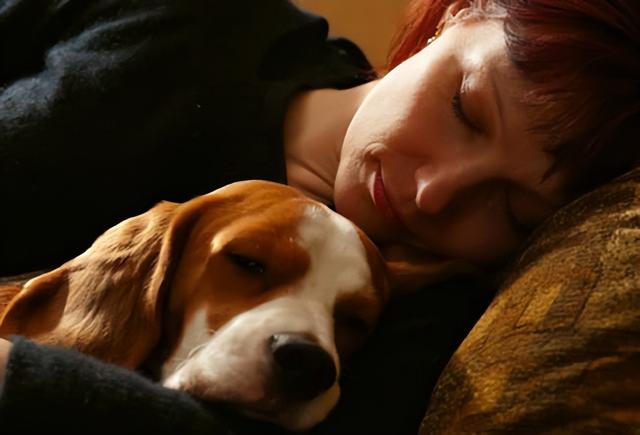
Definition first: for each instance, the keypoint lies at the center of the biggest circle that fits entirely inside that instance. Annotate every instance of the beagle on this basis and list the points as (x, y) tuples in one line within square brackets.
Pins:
[(250, 295)]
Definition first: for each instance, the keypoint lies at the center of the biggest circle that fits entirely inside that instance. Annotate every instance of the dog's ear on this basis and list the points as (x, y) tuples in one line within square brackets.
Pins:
[(410, 269), (107, 302)]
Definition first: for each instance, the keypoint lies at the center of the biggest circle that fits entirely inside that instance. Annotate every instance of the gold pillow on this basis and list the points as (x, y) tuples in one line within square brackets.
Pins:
[(558, 349)]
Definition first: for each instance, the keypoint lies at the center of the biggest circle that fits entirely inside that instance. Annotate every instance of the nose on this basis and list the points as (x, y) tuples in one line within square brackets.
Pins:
[(434, 192), (437, 188), (303, 367)]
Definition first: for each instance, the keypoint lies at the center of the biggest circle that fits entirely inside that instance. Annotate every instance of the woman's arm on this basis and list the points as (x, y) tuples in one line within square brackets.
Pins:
[(81, 119), (54, 389)]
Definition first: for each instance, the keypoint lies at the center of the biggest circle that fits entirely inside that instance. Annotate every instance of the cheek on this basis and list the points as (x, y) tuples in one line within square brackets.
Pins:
[(488, 247), (350, 188), (350, 201), (405, 108), (479, 236)]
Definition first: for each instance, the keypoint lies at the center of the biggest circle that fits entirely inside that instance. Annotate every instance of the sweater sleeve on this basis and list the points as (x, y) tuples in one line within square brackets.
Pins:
[(110, 106), (89, 106), (56, 390)]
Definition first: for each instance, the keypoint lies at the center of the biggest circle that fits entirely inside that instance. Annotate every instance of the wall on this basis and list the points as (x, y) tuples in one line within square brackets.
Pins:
[(369, 23)]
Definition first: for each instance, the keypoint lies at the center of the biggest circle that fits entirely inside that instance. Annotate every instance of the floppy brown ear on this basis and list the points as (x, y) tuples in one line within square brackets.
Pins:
[(410, 269), (107, 302)]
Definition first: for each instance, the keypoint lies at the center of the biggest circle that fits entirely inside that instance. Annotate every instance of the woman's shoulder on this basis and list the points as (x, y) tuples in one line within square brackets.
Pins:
[(219, 27)]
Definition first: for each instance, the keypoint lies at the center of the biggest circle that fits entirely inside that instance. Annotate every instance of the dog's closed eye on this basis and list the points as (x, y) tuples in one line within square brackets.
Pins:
[(246, 264)]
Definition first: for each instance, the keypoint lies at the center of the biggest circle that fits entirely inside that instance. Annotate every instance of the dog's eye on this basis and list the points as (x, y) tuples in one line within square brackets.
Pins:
[(247, 264)]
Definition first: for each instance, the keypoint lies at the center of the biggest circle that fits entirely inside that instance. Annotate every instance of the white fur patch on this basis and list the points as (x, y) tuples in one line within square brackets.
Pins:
[(338, 258), (197, 333)]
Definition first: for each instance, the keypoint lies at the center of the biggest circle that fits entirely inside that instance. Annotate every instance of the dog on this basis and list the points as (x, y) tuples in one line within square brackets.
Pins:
[(252, 295)]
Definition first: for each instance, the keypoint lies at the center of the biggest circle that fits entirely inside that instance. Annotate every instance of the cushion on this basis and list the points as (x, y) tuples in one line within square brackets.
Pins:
[(558, 349)]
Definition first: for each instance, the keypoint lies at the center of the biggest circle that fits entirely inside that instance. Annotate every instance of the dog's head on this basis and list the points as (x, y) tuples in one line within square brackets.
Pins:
[(251, 295)]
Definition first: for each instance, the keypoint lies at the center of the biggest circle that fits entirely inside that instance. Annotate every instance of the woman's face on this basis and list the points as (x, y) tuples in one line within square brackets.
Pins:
[(439, 155)]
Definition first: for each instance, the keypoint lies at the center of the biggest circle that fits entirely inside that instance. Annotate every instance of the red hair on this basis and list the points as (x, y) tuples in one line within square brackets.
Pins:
[(420, 22), (582, 60)]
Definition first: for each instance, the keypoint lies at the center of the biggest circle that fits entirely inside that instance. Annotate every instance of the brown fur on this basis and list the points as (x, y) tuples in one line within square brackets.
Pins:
[(108, 302)]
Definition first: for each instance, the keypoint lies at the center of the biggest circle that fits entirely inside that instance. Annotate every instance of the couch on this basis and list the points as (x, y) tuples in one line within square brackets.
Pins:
[(558, 349)]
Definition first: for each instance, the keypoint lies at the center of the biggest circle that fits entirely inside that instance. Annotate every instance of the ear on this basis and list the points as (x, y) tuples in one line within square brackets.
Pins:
[(451, 12), (7, 293), (107, 302), (410, 269)]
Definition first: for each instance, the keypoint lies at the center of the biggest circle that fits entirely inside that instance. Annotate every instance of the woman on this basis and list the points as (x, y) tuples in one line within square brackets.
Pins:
[(494, 113), (472, 141)]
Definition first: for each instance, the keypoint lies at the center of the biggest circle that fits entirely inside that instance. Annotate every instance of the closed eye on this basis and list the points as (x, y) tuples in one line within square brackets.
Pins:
[(246, 264), (459, 112)]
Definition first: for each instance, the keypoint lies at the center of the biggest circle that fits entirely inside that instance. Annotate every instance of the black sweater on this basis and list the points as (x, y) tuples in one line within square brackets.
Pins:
[(55, 390), (109, 106)]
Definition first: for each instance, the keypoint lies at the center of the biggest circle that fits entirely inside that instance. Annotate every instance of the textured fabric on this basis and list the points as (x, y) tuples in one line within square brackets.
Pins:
[(110, 106), (42, 383), (558, 350)]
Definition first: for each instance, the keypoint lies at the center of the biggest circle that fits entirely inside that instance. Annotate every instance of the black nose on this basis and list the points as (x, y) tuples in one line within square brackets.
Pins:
[(304, 369)]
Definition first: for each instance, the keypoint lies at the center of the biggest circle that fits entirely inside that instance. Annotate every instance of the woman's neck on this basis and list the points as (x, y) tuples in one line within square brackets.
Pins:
[(315, 127)]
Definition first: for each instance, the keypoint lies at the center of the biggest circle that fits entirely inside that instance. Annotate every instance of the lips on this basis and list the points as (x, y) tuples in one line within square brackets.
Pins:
[(381, 201)]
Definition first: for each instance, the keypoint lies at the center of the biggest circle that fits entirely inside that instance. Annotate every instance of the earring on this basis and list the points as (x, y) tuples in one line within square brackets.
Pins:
[(437, 32)]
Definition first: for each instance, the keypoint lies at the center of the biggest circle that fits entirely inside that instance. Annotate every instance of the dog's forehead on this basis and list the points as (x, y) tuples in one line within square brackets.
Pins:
[(339, 263), (342, 259)]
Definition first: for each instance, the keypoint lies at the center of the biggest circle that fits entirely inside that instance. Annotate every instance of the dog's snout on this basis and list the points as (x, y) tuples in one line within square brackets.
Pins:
[(303, 367)]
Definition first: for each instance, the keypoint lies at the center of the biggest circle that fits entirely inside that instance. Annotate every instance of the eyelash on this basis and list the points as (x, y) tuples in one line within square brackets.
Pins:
[(458, 111)]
